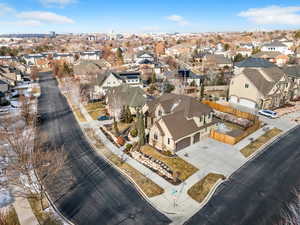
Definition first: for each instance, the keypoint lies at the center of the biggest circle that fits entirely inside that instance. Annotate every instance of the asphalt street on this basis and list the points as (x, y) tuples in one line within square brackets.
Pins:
[(259, 192), (88, 191)]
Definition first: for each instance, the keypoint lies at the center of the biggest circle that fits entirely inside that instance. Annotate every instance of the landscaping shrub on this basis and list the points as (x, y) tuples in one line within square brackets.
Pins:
[(128, 146), (134, 132)]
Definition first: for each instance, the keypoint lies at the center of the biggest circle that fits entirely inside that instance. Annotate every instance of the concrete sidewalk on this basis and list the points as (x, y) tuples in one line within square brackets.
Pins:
[(24, 212)]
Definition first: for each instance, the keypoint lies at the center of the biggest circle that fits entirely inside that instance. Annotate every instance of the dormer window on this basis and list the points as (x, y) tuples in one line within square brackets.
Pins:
[(246, 85), (159, 112)]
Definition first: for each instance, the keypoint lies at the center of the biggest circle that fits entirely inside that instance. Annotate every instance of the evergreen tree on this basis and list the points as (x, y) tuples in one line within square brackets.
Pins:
[(116, 127), (128, 115), (141, 128)]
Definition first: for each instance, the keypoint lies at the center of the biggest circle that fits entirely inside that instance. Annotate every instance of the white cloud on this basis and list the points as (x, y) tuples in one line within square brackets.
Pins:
[(4, 9), (57, 2), (47, 17), (274, 15), (178, 19)]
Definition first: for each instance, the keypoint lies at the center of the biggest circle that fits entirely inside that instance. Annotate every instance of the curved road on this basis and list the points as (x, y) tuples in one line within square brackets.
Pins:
[(257, 193), (89, 191)]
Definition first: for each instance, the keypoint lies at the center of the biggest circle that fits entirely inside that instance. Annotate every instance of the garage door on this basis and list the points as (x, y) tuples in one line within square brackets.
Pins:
[(233, 99), (183, 143), (196, 138), (247, 103)]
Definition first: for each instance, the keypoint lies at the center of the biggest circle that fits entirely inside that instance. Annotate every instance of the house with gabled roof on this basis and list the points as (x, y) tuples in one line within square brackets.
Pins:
[(259, 84), (276, 46), (174, 122)]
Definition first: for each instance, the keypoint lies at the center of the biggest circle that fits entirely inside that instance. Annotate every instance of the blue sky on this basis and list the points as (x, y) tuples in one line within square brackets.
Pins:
[(146, 16)]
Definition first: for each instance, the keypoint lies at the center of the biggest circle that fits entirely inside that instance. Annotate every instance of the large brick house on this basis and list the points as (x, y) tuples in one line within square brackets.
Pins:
[(174, 122)]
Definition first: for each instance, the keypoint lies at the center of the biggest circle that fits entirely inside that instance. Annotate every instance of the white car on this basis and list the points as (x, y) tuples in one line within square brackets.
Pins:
[(268, 113)]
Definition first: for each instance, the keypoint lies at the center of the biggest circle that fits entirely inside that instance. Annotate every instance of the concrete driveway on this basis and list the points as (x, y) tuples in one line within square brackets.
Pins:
[(212, 156)]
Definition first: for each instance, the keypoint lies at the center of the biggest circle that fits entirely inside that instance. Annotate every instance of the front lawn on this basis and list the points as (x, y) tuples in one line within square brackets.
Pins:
[(255, 145), (201, 189), (95, 109), (150, 188), (79, 115), (175, 163)]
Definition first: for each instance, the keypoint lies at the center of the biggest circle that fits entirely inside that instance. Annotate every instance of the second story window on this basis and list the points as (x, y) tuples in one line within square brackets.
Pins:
[(246, 85), (159, 113), (155, 136), (168, 141)]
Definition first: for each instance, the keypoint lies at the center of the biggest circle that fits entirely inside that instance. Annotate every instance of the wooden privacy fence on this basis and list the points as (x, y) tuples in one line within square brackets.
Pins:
[(225, 138), (230, 110)]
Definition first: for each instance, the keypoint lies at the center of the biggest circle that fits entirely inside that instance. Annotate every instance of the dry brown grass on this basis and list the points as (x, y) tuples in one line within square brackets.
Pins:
[(80, 117), (42, 216), (202, 188), (175, 163), (255, 145), (9, 216), (95, 109), (150, 188)]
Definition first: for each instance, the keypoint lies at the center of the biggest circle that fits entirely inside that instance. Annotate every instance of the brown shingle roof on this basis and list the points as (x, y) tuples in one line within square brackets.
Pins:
[(263, 85)]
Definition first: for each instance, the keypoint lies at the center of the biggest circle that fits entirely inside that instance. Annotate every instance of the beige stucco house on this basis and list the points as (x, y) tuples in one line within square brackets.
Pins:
[(265, 86), (174, 122)]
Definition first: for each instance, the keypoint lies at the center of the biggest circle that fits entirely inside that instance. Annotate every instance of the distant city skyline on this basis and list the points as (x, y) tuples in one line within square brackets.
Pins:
[(88, 16)]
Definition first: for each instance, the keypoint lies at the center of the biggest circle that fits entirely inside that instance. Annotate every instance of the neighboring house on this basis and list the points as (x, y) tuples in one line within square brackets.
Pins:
[(276, 46), (84, 69), (7, 59), (144, 58), (252, 62), (186, 77), (9, 74), (124, 95), (219, 61), (275, 57), (66, 57), (293, 72), (105, 81), (246, 52), (131, 78), (32, 59), (259, 87), (180, 49), (90, 55), (174, 122)]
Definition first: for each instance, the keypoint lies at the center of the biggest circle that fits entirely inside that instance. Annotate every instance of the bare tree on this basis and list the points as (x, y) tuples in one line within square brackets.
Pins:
[(30, 162)]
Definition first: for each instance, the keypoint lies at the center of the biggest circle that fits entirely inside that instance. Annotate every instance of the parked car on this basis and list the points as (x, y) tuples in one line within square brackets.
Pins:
[(268, 113), (102, 118)]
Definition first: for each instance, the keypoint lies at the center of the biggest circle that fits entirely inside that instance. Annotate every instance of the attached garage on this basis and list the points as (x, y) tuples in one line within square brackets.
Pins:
[(196, 138), (183, 143), (247, 103), (233, 99)]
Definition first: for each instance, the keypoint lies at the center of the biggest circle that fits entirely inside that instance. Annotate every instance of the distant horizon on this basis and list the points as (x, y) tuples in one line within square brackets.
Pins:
[(158, 33)]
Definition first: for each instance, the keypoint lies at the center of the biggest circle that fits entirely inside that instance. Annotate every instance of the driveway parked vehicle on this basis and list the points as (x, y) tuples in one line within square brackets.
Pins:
[(268, 113)]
